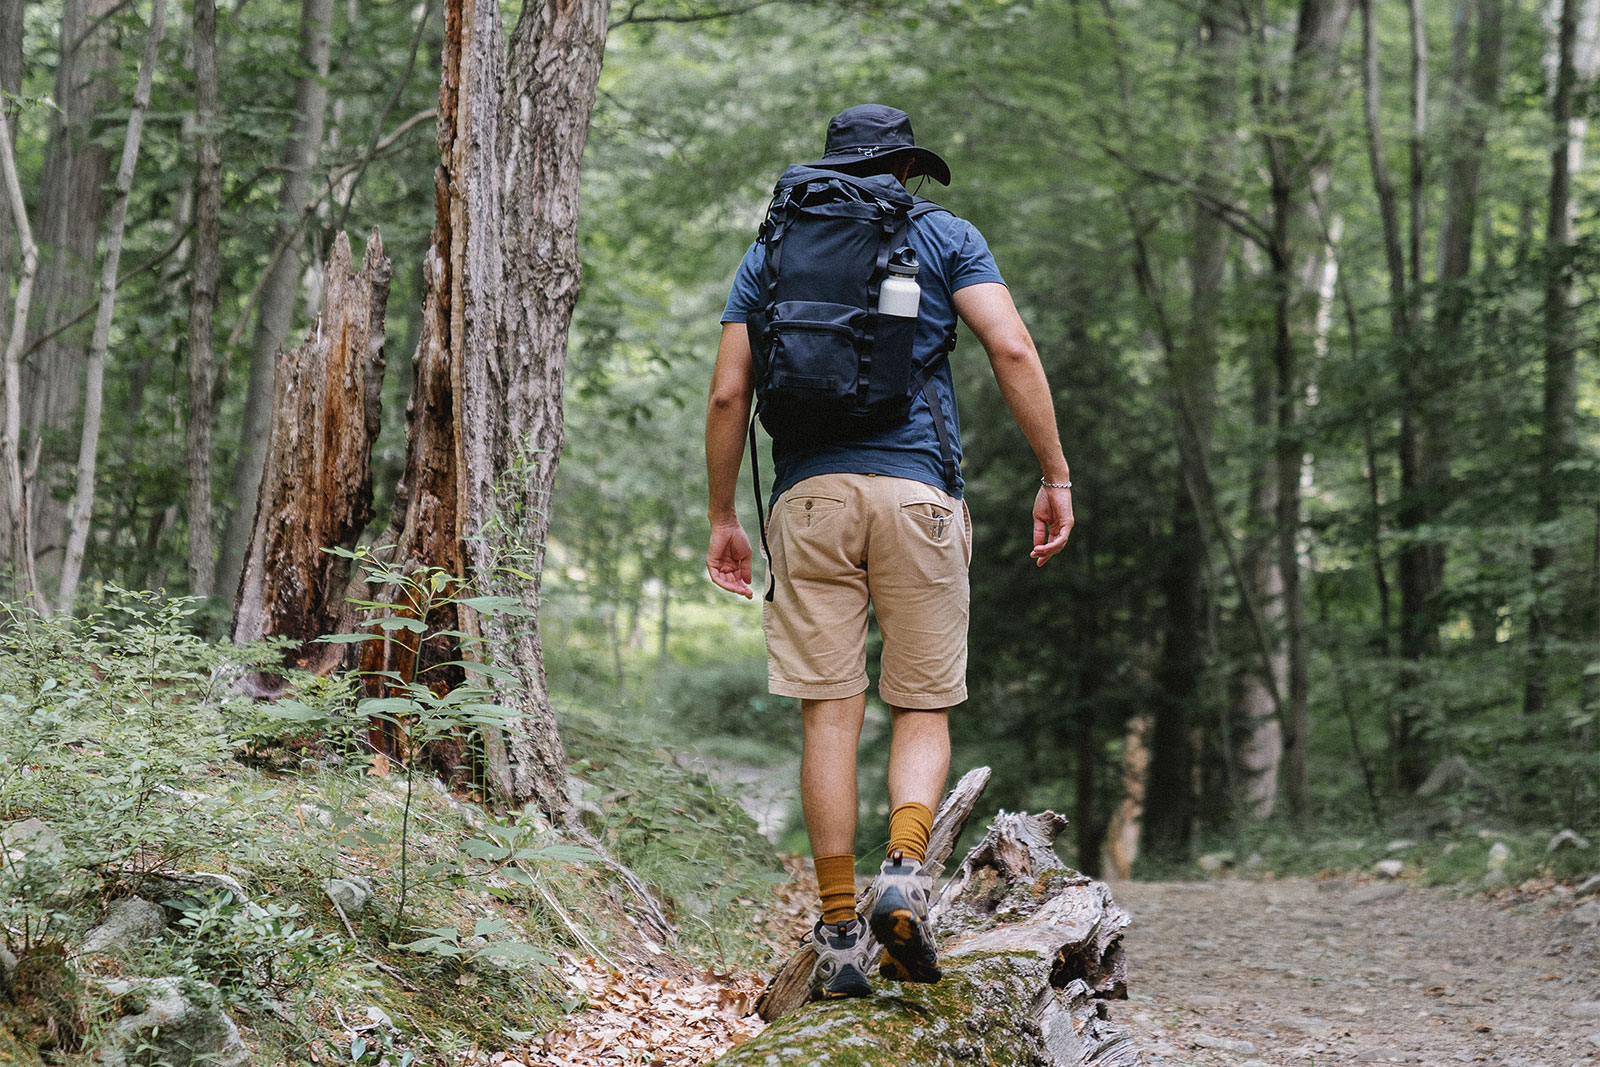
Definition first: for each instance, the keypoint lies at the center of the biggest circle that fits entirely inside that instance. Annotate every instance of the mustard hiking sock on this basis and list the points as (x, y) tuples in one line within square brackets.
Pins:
[(909, 826), (836, 885)]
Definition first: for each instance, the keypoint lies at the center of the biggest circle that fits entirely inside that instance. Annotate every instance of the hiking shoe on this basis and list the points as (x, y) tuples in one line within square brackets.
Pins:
[(841, 960), (899, 921)]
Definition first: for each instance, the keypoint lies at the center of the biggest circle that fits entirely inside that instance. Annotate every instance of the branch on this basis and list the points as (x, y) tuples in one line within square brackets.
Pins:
[(383, 116), (149, 264), (1232, 215), (632, 18)]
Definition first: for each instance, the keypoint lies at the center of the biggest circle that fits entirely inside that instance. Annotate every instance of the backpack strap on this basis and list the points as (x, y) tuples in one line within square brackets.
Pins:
[(923, 383), (761, 513)]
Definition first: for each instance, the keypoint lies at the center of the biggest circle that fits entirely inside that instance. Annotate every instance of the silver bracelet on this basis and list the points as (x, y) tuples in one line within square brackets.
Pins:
[(1056, 485)]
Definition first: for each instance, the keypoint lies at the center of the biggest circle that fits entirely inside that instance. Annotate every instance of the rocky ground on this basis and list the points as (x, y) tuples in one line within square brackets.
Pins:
[(1334, 972)]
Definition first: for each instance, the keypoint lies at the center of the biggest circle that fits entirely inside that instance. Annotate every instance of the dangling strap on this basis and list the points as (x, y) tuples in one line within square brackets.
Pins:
[(923, 382), (761, 513)]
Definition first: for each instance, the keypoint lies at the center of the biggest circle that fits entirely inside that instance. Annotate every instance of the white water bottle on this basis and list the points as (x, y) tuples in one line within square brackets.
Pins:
[(900, 295)]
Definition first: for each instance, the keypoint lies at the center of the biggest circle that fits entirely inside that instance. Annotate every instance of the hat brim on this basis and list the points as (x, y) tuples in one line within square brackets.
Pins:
[(924, 161)]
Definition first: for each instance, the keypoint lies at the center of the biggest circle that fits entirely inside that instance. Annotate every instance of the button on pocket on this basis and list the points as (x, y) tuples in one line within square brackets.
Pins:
[(803, 511)]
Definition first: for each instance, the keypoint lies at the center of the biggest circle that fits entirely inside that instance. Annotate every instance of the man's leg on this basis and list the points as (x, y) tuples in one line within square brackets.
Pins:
[(828, 797), (919, 762)]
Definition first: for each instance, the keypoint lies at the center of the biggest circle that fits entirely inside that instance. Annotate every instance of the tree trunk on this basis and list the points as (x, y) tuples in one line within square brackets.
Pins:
[(1032, 954), (17, 578), (280, 286), (203, 297), (1558, 438), (72, 202), (11, 21), (316, 490), (517, 304), (94, 388)]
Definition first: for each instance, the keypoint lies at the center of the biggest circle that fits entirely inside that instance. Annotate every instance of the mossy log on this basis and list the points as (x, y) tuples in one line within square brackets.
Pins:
[(791, 985), (1032, 952)]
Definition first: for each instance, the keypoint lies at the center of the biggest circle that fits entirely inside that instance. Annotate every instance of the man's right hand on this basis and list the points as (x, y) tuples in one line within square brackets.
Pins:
[(728, 561)]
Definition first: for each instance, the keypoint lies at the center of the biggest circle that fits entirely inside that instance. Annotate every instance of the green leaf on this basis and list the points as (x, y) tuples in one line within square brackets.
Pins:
[(560, 854), (488, 927)]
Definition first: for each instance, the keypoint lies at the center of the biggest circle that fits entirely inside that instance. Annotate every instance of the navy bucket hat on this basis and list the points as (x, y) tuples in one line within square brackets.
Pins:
[(871, 131)]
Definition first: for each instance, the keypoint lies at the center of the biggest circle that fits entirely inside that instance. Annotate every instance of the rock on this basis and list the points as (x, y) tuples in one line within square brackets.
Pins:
[(162, 1025), (350, 894), (1379, 1055), (1499, 853), (1582, 1009), (1309, 1025), (1496, 879), (1398, 846), (1594, 1039), (32, 838), (1224, 1044), (8, 968), (1388, 868), (128, 924), (1588, 887), (1567, 839), (1212, 862), (1585, 914), (194, 883), (1255, 861), (1373, 894), (1203, 946)]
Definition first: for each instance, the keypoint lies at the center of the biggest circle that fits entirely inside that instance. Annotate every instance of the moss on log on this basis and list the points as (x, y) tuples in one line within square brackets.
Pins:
[(1031, 951)]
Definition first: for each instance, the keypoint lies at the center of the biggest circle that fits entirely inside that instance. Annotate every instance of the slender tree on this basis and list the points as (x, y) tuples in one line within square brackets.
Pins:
[(1559, 430), (203, 296), (94, 387), (70, 208), (281, 285)]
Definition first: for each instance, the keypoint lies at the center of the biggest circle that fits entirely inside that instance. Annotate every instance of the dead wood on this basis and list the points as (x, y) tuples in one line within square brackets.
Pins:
[(791, 985), (1032, 954), (316, 491)]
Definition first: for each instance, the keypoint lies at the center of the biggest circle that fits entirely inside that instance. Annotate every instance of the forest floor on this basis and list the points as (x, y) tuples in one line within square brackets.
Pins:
[(1300, 971), (1234, 972)]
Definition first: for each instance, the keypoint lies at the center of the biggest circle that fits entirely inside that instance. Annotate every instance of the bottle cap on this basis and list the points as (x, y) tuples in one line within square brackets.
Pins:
[(904, 262)]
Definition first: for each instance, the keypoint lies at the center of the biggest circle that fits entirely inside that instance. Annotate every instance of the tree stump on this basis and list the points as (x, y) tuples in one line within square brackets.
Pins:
[(1031, 951), (317, 488)]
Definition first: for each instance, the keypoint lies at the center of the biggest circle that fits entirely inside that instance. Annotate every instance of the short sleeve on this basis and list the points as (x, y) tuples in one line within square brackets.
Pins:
[(745, 296), (974, 263)]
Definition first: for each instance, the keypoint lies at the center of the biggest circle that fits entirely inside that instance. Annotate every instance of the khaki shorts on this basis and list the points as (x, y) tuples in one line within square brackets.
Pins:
[(839, 541)]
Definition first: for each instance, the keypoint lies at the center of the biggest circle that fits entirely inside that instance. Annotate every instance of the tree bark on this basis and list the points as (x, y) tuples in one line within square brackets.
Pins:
[(203, 297), (517, 305), (17, 578), (1558, 437), (1032, 954), (71, 205), (94, 386), (316, 489), (12, 13), (281, 284)]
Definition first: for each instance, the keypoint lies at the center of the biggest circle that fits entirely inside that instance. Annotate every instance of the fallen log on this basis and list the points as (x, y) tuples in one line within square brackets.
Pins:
[(1031, 951), (791, 985)]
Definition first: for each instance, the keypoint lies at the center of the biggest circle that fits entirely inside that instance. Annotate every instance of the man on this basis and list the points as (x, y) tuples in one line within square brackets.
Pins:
[(874, 519)]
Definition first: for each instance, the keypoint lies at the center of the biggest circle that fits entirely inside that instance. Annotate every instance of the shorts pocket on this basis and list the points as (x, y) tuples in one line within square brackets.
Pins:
[(936, 519), (803, 510)]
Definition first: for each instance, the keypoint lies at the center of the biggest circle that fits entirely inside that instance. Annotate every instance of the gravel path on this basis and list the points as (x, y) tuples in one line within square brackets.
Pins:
[(1334, 972)]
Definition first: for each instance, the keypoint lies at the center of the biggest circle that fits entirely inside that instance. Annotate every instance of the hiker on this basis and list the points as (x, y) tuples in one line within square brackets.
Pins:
[(849, 369)]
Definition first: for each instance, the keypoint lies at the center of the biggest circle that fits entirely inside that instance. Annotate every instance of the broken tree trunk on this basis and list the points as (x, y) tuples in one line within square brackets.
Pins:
[(1031, 951), (316, 491)]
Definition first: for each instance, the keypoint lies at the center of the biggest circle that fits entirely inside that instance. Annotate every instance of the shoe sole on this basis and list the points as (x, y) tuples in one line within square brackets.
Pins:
[(909, 952), (859, 988)]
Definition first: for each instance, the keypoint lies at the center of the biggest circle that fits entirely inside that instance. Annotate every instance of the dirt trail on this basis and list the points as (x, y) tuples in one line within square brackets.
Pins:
[(1334, 972)]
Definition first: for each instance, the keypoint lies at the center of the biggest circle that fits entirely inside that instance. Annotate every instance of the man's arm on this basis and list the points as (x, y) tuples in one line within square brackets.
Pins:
[(727, 421), (987, 310)]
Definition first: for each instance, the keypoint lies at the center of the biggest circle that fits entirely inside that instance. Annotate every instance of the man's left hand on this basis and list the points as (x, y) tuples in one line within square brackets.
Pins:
[(1052, 522)]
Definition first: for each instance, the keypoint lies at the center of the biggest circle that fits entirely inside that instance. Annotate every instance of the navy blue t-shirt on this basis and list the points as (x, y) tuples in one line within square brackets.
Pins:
[(953, 255)]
